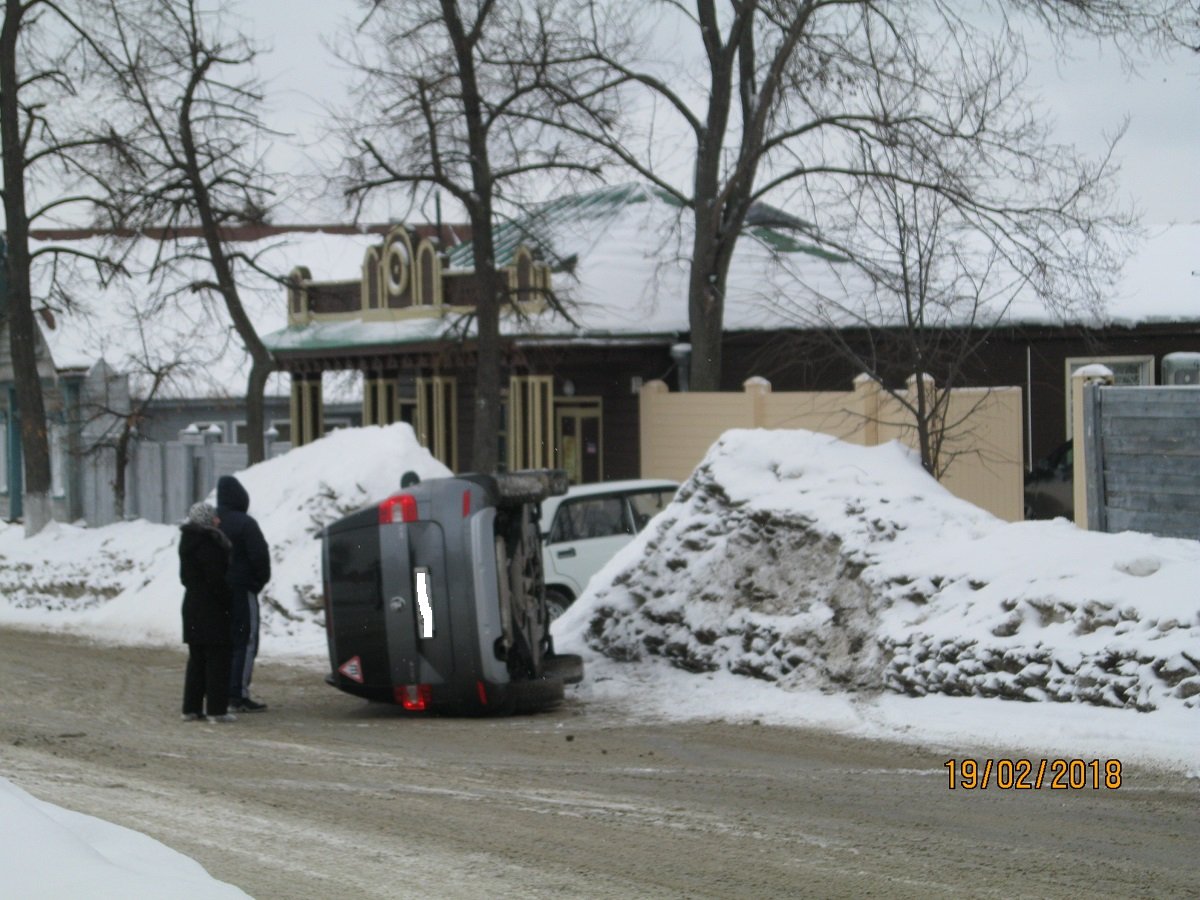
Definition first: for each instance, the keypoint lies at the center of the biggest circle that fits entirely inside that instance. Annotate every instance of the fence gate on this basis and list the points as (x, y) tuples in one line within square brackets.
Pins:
[(1143, 459)]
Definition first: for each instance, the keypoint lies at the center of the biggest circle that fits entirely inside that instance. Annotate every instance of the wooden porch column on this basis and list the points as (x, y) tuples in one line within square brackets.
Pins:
[(307, 415)]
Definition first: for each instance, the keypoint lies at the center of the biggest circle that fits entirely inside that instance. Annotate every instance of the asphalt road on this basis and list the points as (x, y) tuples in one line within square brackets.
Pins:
[(327, 796)]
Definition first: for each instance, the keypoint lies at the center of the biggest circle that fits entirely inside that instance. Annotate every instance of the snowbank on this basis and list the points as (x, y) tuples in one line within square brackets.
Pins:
[(47, 851), (121, 582), (806, 562)]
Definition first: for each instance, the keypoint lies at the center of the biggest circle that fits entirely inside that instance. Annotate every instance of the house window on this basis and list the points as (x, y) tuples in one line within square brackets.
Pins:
[(529, 426), (1127, 370), (437, 417)]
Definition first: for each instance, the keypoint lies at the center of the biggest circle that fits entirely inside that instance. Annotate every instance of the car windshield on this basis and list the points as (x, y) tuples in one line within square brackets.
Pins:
[(648, 504)]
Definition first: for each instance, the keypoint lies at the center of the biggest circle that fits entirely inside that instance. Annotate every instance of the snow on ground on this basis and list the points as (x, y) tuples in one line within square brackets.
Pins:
[(121, 582), (793, 562), (799, 560), (794, 580), (50, 852)]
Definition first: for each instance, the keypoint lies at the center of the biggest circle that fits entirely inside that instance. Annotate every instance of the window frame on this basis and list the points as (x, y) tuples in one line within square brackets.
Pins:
[(1146, 376)]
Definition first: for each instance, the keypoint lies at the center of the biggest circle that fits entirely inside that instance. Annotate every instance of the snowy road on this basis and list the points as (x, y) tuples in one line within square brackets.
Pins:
[(326, 796)]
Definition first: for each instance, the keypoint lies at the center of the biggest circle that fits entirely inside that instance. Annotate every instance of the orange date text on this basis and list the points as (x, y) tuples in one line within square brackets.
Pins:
[(1033, 774)]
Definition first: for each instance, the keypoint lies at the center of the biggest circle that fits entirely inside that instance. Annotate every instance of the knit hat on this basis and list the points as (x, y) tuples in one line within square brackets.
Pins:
[(202, 514)]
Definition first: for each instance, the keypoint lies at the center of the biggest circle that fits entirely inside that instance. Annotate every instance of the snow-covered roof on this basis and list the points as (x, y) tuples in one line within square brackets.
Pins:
[(621, 272), (619, 256), (117, 321)]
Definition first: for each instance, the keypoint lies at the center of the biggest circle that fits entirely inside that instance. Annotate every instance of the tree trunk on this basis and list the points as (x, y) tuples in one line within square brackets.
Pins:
[(711, 255), (22, 330), (122, 460), (486, 418), (262, 363)]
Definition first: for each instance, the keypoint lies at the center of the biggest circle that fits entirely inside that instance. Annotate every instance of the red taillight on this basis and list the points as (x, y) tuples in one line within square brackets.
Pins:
[(482, 691), (413, 697), (400, 508), (466, 504)]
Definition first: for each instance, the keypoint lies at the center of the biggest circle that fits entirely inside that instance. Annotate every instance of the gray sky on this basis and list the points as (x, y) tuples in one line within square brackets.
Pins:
[(1089, 94)]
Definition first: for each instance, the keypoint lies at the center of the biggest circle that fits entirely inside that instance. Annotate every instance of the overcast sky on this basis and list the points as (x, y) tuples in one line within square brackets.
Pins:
[(1089, 93)]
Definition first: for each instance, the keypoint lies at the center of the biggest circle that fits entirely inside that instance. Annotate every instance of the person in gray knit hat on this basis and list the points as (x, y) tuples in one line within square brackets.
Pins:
[(207, 600)]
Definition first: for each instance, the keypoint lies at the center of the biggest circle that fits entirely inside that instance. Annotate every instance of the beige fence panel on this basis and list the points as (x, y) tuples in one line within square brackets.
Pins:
[(984, 447)]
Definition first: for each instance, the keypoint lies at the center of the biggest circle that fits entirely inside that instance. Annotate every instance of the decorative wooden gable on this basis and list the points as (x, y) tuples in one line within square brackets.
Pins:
[(400, 279)]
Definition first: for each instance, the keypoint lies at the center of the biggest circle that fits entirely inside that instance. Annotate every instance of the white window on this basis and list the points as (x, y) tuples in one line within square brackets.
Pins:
[(1127, 370)]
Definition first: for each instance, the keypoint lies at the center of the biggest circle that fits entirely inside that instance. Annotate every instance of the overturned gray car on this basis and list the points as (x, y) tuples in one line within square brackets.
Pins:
[(435, 599)]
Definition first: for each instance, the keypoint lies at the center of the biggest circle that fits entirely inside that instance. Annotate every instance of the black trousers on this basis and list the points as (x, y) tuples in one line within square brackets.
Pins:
[(207, 675)]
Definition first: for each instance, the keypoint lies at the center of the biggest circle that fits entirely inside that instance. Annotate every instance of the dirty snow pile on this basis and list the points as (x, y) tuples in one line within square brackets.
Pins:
[(122, 581), (800, 560)]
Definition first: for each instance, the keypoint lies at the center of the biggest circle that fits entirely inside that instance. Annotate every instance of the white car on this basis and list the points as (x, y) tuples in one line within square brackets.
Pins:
[(584, 528)]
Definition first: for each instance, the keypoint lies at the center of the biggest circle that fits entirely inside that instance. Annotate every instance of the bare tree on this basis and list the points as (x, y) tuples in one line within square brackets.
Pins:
[(191, 156), (47, 134), (786, 95), (912, 307), (157, 357), (474, 99)]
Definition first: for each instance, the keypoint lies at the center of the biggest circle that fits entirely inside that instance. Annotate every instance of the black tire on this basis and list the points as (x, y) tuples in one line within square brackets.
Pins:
[(557, 601), (566, 666), (533, 695)]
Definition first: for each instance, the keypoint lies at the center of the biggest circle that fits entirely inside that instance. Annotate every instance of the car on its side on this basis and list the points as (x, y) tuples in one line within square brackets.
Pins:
[(584, 528)]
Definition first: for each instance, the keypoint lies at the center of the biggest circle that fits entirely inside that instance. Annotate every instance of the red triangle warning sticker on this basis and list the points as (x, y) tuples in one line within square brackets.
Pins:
[(352, 669)]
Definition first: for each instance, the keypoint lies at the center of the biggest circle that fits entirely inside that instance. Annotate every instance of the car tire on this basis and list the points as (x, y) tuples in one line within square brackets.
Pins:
[(557, 602), (534, 695), (565, 666)]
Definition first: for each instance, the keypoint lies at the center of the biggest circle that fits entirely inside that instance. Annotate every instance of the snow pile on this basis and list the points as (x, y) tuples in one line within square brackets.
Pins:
[(122, 581), (47, 851), (803, 561)]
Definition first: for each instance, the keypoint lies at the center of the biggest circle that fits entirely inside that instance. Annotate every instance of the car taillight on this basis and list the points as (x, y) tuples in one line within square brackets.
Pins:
[(466, 504), (400, 508), (481, 689), (413, 697)]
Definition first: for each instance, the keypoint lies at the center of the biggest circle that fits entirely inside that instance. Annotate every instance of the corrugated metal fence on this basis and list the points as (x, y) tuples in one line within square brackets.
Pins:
[(161, 479), (1142, 459)]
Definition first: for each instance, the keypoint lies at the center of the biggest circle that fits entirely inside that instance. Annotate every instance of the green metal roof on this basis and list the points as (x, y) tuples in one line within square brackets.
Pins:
[(600, 207)]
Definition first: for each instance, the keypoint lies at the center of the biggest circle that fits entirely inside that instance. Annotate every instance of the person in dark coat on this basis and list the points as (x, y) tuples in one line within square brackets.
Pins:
[(203, 568), (249, 571)]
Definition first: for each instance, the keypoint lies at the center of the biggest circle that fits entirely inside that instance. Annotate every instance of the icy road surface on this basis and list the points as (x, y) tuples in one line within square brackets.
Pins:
[(327, 796)]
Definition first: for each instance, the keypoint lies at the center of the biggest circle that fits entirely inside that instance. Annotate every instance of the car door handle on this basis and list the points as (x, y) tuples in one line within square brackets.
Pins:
[(566, 554)]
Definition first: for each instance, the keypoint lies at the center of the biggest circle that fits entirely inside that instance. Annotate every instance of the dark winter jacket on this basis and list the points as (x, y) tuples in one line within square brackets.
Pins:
[(250, 568), (203, 567), (250, 563)]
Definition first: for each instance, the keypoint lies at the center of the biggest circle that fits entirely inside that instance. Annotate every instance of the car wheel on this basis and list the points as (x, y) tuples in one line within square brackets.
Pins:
[(565, 666), (530, 696), (557, 602)]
